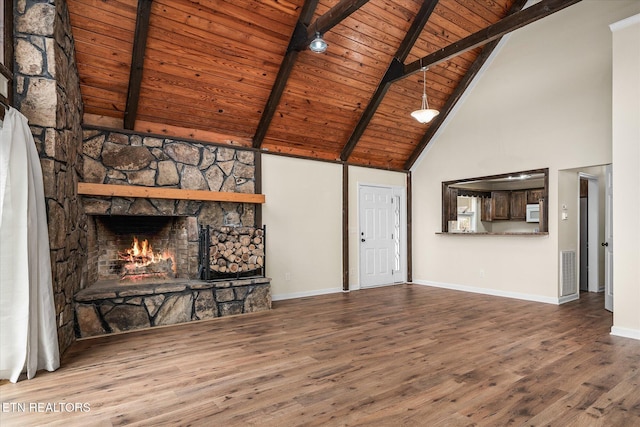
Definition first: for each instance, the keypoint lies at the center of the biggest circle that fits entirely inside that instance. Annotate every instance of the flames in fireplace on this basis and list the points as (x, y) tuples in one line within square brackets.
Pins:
[(140, 262)]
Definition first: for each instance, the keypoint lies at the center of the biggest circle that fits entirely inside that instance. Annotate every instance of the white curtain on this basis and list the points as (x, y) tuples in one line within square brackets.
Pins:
[(28, 335)]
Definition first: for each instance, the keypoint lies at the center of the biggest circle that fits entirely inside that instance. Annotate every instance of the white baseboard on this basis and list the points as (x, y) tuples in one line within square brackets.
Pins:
[(316, 292), (493, 292), (568, 298), (625, 332)]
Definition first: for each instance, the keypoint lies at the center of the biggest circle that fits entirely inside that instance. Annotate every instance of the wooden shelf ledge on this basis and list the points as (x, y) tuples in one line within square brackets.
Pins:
[(112, 190)]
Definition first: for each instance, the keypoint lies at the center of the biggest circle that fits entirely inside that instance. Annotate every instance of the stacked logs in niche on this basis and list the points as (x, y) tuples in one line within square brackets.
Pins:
[(236, 250)]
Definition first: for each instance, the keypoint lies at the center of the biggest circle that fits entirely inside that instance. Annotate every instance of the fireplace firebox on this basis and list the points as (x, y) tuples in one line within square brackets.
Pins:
[(131, 250)]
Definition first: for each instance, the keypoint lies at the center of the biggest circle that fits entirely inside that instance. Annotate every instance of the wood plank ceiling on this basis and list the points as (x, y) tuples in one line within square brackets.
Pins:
[(238, 71)]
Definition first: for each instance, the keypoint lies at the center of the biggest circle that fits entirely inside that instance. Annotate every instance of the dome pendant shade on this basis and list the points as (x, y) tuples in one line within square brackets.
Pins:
[(318, 44), (424, 114)]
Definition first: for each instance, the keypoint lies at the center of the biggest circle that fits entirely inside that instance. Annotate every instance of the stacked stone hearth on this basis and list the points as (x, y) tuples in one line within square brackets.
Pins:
[(120, 309)]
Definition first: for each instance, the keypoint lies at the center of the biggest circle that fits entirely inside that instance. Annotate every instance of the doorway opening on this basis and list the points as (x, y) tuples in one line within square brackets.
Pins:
[(589, 233)]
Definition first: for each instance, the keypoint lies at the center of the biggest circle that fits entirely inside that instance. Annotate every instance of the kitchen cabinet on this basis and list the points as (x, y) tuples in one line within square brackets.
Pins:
[(500, 204), (452, 204), (518, 205), (534, 195), (485, 211)]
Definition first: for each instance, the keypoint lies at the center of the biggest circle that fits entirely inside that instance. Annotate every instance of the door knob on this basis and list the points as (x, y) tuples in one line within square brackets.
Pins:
[(604, 244)]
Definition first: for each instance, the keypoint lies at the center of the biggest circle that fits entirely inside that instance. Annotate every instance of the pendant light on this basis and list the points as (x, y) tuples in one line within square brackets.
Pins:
[(424, 114), (318, 44)]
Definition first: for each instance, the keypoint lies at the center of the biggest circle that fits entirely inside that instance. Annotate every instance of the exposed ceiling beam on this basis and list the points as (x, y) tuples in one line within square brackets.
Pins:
[(415, 30), (334, 16), (462, 86), (328, 20), (137, 62), (308, 9), (300, 39), (395, 66), (492, 32)]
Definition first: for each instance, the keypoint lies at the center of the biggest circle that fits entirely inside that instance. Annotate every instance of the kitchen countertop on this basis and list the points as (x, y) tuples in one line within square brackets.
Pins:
[(540, 233)]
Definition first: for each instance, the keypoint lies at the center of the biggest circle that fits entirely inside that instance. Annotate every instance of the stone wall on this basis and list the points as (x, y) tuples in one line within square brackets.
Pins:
[(47, 92), (136, 159)]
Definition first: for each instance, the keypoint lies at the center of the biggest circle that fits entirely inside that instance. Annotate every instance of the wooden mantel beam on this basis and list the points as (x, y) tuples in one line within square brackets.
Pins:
[(135, 191)]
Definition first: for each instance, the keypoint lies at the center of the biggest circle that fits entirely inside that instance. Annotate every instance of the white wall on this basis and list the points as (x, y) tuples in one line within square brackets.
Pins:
[(367, 176), (626, 177), (544, 101), (303, 215)]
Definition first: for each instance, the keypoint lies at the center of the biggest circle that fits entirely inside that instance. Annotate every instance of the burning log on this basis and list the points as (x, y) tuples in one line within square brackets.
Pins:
[(140, 262)]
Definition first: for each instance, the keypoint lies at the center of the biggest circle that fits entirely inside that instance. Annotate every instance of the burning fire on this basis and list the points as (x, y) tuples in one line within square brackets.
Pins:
[(142, 261), (136, 252)]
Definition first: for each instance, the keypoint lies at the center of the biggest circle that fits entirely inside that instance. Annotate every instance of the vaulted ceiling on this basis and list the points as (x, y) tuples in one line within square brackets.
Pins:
[(239, 71)]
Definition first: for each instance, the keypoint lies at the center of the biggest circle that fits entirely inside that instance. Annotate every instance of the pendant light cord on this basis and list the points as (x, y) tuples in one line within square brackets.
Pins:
[(425, 103)]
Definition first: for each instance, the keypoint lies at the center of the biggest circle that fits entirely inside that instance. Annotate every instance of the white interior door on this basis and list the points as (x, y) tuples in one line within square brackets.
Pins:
[(377, 244), (608, 240)]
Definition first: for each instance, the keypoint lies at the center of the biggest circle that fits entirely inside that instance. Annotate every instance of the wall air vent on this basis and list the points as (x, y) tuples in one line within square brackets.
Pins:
[(568, 279)]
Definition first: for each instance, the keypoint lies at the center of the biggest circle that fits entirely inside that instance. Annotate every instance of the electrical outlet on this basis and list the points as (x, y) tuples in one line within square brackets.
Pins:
[(287, 276), (481, 274)]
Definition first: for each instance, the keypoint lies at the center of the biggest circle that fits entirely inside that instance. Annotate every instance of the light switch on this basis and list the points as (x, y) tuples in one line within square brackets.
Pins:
[(565, 216)]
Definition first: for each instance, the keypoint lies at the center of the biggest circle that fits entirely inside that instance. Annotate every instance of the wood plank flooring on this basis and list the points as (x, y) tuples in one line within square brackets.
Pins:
[(404, 355)]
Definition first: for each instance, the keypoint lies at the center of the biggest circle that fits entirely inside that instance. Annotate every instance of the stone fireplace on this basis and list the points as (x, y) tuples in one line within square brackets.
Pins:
[(145, 257), (47, 92)]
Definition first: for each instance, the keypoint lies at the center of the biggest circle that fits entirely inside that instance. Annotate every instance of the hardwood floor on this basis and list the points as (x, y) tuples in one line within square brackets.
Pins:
[(404, 355)]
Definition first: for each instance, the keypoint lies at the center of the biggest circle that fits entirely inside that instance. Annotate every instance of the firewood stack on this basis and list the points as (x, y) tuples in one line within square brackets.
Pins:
[(236, 249)]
